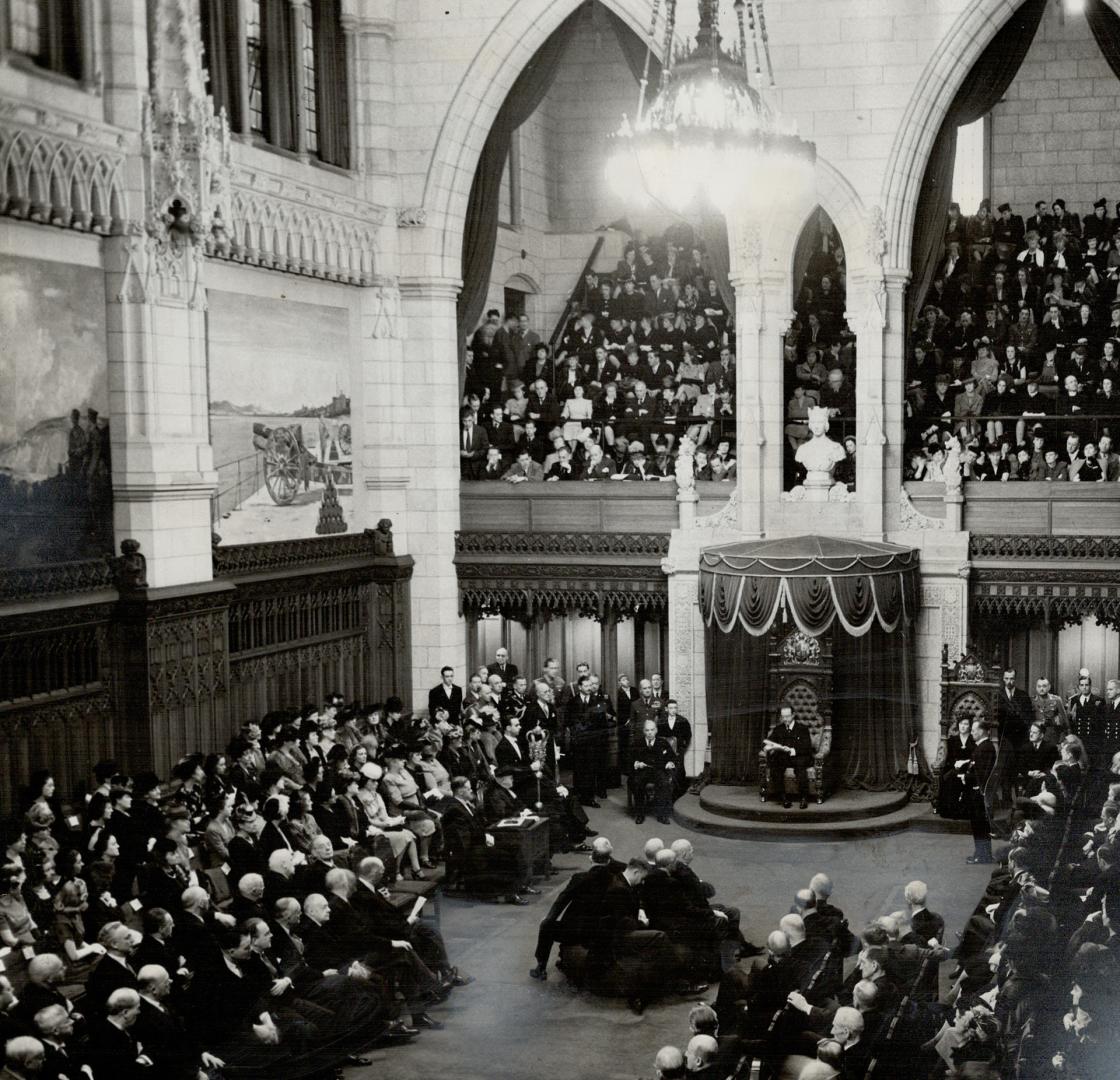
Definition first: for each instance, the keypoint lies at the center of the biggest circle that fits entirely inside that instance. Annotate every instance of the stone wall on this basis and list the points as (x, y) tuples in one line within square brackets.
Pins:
[(564, 196), (1056, 134)]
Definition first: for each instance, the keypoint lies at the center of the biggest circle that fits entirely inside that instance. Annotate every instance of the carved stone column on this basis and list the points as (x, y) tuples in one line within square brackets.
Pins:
[(162, 464), (299, 40), (381, 476), (867, 316), (428, 425)]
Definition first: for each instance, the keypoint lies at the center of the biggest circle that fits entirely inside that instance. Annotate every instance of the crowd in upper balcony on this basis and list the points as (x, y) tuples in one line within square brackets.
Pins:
[(820, 354), (1014, 361), (645, 357)]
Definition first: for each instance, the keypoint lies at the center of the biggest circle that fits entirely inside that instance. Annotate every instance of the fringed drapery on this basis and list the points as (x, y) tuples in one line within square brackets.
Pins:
[(872, 588), (871, 591)]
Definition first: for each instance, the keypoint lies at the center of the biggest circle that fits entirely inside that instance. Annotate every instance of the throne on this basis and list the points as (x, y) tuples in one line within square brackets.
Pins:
[(800, 676), (969, 691)]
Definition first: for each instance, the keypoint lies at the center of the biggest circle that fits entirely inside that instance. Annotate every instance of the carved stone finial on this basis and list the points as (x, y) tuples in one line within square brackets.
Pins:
[(129, 569), (382, 537)]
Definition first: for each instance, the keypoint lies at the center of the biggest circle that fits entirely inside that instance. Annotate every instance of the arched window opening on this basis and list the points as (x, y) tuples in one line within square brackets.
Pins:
[(820, 350)]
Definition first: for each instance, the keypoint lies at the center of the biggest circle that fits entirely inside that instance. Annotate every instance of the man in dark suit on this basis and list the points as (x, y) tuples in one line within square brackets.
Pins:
[(446, 695), (587, 724), (112, 1048), (543, 712), (1033, 760), (983, 762), (511, 751), (1014, 713), (55, 1029), (473, 445), (1086, 715), (162, 1032), (502, 666), (789, 746), (750, 993), (926, 924), (678, 731), (371, 900), (572, 919), (643, 956), (501, 801), (469, 849), (113, 970), (652, 770)]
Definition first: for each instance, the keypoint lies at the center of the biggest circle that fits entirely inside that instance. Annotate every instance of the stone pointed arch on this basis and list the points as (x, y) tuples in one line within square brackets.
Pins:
[(951, 61), (479, 96)]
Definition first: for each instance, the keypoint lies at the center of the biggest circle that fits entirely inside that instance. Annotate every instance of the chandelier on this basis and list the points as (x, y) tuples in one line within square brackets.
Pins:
[(711, 136)]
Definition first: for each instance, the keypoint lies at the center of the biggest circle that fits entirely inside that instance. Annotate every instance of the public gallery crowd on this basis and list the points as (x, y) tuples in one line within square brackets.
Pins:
[(1016, 351), (645, 357), (820, 356)]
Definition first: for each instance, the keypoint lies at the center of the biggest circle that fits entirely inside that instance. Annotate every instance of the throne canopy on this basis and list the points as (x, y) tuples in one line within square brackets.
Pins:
[(812, 579)]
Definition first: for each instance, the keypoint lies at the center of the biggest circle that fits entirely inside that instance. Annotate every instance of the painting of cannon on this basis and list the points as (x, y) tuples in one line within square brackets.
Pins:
[(280, 424), (289, 466)]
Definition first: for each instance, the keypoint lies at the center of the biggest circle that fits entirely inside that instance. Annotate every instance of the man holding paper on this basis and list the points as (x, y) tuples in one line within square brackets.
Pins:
[(789, 746), (373, 903)]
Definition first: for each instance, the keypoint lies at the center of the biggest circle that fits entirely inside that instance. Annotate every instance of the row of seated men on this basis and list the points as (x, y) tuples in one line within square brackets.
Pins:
[(650, 927), (1033, 991)]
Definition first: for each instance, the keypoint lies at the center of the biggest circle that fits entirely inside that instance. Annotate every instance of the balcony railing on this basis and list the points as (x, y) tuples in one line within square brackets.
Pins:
[(1027, 507), (610, 506)]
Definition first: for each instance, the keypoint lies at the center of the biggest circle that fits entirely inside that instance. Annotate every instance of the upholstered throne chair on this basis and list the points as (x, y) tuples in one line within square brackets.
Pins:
[(800, 676)]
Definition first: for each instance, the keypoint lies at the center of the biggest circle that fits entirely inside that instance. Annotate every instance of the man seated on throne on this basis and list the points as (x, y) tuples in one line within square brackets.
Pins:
[(789, 746)]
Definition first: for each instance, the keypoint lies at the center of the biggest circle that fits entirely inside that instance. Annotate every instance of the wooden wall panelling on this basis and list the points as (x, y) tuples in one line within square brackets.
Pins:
[(55, 696)]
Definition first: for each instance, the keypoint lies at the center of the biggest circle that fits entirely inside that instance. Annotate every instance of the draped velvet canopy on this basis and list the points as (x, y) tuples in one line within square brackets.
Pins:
[(865, 597), (812, 579)]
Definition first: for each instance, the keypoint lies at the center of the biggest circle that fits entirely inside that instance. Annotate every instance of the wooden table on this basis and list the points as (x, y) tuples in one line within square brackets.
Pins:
[(529, 845)]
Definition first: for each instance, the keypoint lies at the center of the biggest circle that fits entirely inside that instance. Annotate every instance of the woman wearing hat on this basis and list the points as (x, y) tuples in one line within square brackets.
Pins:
[(402, 797), (400, 839)]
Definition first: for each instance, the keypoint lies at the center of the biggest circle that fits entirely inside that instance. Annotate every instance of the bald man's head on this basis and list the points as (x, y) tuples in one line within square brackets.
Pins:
[(821, 886), (653, 845), (601, 850), (777, 945), (666, 859), (700, 1051), (669, 1064), (684, 850), (793, 926)]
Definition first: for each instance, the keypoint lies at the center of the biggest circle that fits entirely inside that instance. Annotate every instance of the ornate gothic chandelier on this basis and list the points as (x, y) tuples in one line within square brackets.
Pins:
[(711, 135)]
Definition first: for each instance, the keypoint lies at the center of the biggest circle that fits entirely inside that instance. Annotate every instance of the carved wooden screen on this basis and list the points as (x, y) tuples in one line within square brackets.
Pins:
[(55, 706)]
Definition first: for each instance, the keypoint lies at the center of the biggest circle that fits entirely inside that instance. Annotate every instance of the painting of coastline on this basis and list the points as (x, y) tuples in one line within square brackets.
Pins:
[(56, 500), (279, 418)]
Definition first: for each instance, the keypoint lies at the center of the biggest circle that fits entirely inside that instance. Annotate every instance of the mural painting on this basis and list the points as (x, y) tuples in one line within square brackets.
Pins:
[(56, 496), (279, 418)]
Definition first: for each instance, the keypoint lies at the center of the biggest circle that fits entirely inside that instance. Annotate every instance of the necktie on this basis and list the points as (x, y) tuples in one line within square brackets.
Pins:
[(466, 439), (649, 743)]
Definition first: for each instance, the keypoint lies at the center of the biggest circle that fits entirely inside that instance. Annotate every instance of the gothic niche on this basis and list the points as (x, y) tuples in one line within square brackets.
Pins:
[(819, 370)]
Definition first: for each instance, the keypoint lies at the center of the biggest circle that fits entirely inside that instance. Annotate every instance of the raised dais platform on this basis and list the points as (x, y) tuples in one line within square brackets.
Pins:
[(738, 812)]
